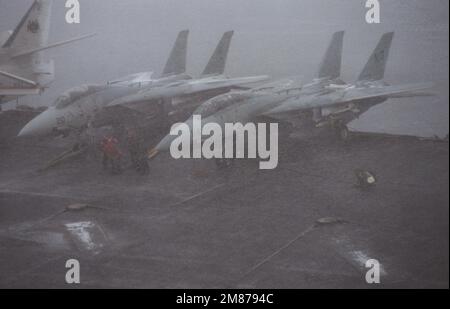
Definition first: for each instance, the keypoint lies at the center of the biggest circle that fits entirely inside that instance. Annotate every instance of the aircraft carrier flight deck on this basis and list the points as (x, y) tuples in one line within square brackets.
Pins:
[(305, 224)]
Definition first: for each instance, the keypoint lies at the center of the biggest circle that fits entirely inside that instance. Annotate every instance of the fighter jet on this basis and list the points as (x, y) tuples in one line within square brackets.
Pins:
[(188, 92), (77, 107), (326, 101), (339, 104), (137, 94), (23, 70)]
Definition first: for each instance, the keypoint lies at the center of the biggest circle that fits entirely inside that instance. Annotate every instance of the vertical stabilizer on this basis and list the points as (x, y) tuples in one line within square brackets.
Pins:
[(216, 65), (176, 64), (375, 67), (33, 30), (331, 63)]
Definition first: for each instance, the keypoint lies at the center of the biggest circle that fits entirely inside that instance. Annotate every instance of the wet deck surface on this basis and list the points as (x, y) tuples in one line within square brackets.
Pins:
[(188, 225)]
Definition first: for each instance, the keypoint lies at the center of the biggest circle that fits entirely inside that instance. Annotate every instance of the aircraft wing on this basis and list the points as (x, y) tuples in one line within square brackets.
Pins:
[(218, 83), (17, 78), (180, 89), (62, 43), (27, 87), (142, 77), (18, 92), (346, 96), (387, 91), (281, 85)]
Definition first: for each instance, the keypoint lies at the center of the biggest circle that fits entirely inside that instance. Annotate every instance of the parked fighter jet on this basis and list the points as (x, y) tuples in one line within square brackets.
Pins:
[(78, 107), (187, 92), (289, 98), (339, 104), (23, 70)]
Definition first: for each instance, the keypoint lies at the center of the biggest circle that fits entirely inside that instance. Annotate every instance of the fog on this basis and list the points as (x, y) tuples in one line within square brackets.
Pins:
[(276, 37)]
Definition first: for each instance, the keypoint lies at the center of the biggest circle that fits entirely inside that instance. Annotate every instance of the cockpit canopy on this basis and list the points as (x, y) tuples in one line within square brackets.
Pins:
[(75, 94), (221, 102)]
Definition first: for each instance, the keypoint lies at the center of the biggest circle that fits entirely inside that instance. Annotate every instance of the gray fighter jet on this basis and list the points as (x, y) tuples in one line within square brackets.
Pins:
[(140, 94), (327, 101), (187, 92), (338, 104), (23, 70)]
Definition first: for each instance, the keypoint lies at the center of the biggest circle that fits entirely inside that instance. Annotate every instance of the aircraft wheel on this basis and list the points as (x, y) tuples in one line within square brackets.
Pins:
[(342, 132)]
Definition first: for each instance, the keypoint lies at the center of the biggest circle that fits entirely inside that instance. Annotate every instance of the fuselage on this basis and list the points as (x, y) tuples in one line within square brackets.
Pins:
[(32, 67), (246, 106), (74, 110), (233, 107), (77, 107), (328, 101)]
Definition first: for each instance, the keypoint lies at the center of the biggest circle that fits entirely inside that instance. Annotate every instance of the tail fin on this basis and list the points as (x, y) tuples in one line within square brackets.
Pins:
[(33, 30), (176, 64), (216, 64), (375, 67), (331, 63)]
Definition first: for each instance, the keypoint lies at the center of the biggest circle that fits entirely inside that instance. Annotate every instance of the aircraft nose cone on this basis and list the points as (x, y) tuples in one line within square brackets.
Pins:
[(165, 143), (39, 126)]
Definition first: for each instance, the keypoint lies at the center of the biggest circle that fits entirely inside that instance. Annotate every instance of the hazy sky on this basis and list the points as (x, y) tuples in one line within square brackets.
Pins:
[(275, 37)]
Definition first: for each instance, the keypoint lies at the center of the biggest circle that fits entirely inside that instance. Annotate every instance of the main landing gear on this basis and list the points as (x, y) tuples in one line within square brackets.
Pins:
[(341, 130)]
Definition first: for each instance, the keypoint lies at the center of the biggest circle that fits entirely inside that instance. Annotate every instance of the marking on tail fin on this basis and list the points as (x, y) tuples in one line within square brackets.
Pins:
[(331, 63), (176, 64), (217, 63), (33, 26), (379, 57), (33, 29), (376, 65), (18, 27)]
